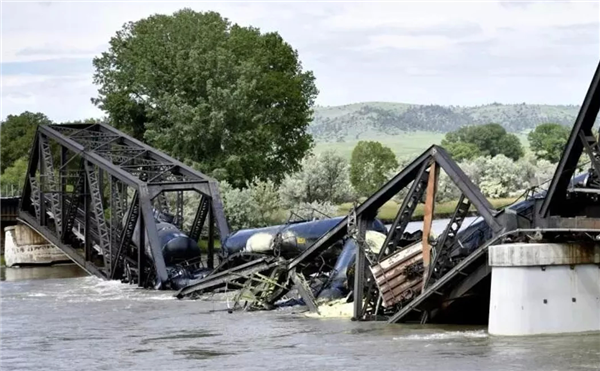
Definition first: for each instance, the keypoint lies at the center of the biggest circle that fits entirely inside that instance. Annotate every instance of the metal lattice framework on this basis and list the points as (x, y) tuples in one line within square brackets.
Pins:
[(417, 277), (431, 260), (582, 140), (89, 188)]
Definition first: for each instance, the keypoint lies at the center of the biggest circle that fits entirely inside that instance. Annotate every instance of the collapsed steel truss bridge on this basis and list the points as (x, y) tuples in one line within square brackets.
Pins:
[(419, 279), (415, 277), (94, 192), (99, 195)]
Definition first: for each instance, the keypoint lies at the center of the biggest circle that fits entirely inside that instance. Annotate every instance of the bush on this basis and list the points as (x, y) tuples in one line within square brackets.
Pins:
[(257, 205), (499, 176), (446, 190), (323, 178)]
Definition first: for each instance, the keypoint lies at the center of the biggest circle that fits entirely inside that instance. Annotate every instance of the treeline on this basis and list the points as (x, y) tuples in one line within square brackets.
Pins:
[(328, 180), (16, 138), (492, 158), (311, 192), (235, 103), (340, 123)]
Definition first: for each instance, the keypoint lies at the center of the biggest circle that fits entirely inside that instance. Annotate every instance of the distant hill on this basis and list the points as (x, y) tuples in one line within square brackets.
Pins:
[(376, 119)]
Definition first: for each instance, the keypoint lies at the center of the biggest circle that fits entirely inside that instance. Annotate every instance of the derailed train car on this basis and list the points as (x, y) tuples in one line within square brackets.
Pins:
[(286, 241), (289, 240)]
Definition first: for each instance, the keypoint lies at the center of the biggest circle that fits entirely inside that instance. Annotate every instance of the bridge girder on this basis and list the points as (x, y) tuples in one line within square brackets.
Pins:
[(90, 187)]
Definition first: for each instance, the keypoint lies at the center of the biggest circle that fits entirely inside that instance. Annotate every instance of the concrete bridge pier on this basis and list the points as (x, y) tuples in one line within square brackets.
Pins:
[(544, 288)]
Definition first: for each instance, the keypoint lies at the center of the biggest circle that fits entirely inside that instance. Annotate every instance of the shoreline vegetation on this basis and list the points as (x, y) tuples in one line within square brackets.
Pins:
[(442, 210)]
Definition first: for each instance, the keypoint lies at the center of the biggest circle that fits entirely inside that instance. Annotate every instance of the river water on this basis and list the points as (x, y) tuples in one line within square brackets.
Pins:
[(60, 319)]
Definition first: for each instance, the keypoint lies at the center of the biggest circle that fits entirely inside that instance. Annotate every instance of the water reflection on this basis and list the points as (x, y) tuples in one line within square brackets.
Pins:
[(45, 272)]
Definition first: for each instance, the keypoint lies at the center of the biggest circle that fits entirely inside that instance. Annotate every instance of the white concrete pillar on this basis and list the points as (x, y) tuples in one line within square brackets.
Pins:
[(24, 246), (544, 288)]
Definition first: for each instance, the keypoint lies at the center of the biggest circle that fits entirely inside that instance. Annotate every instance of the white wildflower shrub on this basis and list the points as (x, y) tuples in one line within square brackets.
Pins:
[(257, 205), (446, 189), (542, 173), (323, 178), (503, 177)]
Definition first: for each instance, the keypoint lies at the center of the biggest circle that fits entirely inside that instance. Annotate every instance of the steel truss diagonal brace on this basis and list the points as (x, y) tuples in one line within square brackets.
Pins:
[(448, 237), (557, 190), (200, 218), (50, 182), (74, 202), (127, 232), (590, 144), (412, 199), (152, 235), (98, 210), (466, 186)]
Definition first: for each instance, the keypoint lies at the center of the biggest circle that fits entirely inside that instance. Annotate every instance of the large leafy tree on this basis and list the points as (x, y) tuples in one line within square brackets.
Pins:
[(16, 136), (548, 141), (469, 142), (230, 100), (370, 166)]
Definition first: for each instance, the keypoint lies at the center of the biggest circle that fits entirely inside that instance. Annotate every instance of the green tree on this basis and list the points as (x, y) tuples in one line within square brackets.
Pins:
[(13, 177), (463, 151), (370, 165), (489, 140), (230, 100), (548, 141), (16, 136)]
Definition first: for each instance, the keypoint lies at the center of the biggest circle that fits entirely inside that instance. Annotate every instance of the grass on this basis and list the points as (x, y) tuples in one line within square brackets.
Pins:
[(442, 210), (401, 145), (405, 144)]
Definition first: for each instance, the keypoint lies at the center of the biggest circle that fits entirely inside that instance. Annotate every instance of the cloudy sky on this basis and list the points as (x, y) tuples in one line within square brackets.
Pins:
[(444, 52)]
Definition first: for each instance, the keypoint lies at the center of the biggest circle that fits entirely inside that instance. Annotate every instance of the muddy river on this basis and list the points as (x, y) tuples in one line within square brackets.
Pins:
[(60, 319)]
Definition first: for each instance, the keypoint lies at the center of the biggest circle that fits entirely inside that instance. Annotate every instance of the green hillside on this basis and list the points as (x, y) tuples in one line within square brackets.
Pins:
[(409, 129), (362, 120)]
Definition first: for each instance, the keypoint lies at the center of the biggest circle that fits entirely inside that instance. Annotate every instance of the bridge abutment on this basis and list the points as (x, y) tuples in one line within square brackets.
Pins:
[(24, 246), (544, 288)]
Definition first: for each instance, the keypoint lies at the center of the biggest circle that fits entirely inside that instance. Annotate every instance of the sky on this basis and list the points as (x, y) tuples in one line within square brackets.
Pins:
[(444, 52)]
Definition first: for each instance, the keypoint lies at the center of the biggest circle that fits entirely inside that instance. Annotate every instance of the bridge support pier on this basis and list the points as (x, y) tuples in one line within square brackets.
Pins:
[(24, 246), (544, 288)]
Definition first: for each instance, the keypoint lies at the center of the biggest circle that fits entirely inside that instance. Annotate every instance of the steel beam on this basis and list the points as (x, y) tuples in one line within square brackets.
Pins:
[(470, 190), (359, 268), (68, 250), (557, 191), (405, 211), (153, 240), (91, 157), (370, 206)]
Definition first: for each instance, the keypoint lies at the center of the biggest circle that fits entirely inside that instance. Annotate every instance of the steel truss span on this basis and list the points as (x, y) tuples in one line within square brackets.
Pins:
[(115, 206)]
